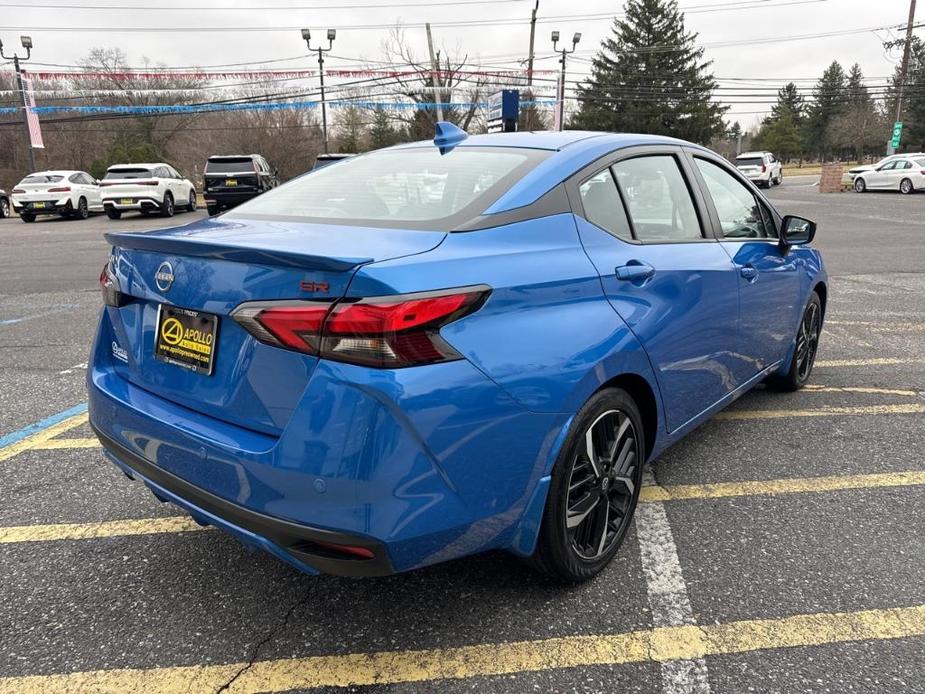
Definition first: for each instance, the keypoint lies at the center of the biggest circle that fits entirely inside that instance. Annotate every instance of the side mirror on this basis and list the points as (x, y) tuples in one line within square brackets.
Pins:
[(796, 231)]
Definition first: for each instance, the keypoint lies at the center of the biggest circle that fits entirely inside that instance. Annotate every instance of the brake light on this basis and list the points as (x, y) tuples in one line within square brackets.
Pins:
[(763, 168), (109, 286), (65, 189), (18, 191), (384, 332)]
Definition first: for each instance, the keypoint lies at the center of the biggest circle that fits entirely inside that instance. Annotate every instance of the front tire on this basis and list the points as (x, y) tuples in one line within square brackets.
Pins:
[(859, 185), (594, 489), (906, 187), (804, 353), (4, 208), (167, 208)]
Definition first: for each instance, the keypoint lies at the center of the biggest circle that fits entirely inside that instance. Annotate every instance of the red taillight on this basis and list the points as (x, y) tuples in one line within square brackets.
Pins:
[(763, 168), (385, 332), (18, 191), (64, 189), (109, 287)]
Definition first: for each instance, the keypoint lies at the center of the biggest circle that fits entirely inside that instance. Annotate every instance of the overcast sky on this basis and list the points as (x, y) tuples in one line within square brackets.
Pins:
[(762, 19)]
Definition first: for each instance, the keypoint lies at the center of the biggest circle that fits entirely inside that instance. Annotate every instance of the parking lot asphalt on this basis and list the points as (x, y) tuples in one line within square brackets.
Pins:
[(778, 548)]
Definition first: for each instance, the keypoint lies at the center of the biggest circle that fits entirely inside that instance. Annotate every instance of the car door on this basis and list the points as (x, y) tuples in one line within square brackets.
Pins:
[(768, 275), (94, 197), (674, 286), (903, 169), (880, 178)]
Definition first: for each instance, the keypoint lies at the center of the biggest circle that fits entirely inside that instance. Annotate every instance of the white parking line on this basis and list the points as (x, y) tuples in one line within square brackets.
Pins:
[(667, 592)]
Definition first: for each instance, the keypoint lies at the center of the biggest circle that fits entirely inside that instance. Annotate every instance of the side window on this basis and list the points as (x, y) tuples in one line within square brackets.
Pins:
[(889, 166), (602, 205), (74, 178), (740, 213), (659, 202), (907, 164)]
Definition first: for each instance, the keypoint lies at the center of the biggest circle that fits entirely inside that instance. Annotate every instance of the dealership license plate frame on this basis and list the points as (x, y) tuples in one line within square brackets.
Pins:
[(190, 351)]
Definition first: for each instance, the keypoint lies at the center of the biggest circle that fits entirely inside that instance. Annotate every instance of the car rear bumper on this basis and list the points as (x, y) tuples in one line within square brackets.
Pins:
[(137, 203), (47, 206), (223, 199)]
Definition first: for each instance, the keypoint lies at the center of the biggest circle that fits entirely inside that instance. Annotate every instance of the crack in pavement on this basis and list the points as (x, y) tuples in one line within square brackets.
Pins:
[(263, 642)]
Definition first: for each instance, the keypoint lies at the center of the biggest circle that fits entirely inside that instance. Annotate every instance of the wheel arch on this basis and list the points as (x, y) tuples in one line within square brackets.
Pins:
[(644, 396), (823, 291)]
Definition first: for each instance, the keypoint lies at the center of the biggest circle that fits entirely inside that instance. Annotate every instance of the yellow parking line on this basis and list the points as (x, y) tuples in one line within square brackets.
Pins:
[(905, 408), (87, 531), (43, 436), (795, 485), (880, 361), (66, 443), (663, 644), (860, 389)]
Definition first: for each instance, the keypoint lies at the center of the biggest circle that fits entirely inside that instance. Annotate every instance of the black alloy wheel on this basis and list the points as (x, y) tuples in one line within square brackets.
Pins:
[(594, 490), (805, 348)]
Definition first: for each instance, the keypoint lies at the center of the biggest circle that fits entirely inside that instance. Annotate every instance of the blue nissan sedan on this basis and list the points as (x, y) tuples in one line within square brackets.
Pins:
[(448, 347)]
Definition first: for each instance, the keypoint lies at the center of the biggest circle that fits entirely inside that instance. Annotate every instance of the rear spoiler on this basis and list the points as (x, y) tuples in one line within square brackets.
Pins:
[(234, 252)]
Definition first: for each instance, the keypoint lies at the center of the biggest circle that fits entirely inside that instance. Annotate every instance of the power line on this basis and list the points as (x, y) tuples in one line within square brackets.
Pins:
[(260, 8)]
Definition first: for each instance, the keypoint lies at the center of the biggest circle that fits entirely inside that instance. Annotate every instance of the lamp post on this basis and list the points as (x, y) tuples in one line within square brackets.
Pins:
[(27, 44), (332, 34), (565, 52)]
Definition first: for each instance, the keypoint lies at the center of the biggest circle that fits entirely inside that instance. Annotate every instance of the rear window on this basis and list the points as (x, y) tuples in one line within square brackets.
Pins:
[(128, 173), (750, 161), (413, 188), (42, 179), (920, 162), (229, 165)]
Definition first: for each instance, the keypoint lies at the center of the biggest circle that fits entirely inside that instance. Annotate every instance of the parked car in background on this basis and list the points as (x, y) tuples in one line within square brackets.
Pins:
[(905, 173), (66, 193), (146, 188), (4, 204), (362, 377), (852, 173), (323, 160), (762, 168), (230, 179)]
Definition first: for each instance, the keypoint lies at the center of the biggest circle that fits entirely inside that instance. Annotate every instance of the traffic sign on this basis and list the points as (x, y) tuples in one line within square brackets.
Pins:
[(897, 134)]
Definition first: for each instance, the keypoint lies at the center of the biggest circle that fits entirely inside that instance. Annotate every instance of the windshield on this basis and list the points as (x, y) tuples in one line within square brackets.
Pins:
[(413, 187), (40, 178), (239, 165), (750, 161), (127, 173)]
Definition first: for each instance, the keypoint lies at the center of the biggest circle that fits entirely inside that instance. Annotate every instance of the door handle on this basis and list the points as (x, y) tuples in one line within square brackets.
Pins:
[(634, 270), (749, 272)]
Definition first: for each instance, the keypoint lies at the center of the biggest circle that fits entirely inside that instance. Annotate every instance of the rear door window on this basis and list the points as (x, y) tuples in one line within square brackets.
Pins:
[(658, 200), (602, 205), (739, 211)]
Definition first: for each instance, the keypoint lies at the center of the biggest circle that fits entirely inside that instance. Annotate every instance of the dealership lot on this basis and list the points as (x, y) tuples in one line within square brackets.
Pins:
[(777, 549)]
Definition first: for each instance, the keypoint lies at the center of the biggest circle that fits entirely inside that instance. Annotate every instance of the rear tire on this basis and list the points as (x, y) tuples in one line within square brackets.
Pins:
[(859, 185), (804, 353), (113, 214), (83, 210), (167, 208), (191, 206), (906, 187), (27, 217), (594, 489), (4, 208)]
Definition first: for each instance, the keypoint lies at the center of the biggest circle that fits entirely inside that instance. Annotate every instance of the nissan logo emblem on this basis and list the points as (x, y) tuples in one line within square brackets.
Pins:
[(163, 278)]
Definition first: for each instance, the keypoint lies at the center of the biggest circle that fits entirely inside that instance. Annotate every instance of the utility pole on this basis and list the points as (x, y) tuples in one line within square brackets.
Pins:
[(332, 34), (904, 68), (435, 81), (560, 95), (27, 44), (532, 35)]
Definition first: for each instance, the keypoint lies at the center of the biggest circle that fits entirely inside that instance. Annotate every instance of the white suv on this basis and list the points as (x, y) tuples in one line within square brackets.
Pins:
[(762, 168), (146, 188), (67, 193)]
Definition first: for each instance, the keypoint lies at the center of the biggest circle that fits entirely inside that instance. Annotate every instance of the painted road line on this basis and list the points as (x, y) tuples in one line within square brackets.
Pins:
[(880, 327), (660, 644), (796, 485), (647, 495), (813, 388), (40, 432), (66, 443), (666, 590), (882, 361), (824, 411), (88, 531), (50, 312)]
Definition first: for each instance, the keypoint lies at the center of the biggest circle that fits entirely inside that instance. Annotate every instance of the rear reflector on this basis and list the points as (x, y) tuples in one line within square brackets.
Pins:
[(384, 332), (18, 191)]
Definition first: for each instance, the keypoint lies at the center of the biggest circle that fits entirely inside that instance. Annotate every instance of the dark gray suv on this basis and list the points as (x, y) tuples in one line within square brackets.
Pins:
[(230, 179)]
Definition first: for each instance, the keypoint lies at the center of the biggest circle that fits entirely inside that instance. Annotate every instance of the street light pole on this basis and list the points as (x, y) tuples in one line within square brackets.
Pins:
[(561, 90), (27, 44), (332, 34)]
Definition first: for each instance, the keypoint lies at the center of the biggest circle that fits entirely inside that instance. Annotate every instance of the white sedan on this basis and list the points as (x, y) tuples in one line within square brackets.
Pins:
[(903, 173), (146, 188), (66, 193)]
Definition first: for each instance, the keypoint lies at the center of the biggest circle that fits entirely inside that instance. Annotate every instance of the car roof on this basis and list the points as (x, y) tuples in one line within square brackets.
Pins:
[(137, 166), (751, 154), (61, 172), (232, 156)]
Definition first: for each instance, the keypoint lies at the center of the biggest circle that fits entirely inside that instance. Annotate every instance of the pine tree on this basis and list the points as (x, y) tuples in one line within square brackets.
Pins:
[(855, 90), (789, 100), (860, 126), (650, 77), (383, 133), (829, 98)]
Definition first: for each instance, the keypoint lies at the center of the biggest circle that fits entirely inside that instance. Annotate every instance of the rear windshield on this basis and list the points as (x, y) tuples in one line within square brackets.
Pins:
[(128, 173), (42, 179), (749, 161), (229, 165), (413, 188)]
